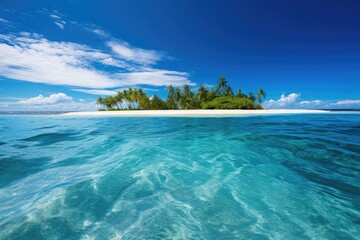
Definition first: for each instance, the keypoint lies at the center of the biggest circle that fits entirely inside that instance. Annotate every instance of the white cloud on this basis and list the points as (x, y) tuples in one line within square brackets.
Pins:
[(283, 102), (95, 29), (66, 106), (92, 28), (330, 104), (55, 16), (291, 101), (348, 102), (163, 78), (311, 103), (116, 63), (96, 91), (60, 24), (100, 32), (30, 57), (53, 102), (52, 99), (137, 55), (3, 20)]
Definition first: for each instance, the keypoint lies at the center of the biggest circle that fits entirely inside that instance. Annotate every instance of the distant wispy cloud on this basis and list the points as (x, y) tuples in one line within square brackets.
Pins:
[(292, 101), (60, 20), (133, 54), (156, 77), (348, 102), (55, 16), (60, 24), (6, 24), (31, 57), (96, 91), (3, 20), (99, 32), (313, 103), (94, 29)]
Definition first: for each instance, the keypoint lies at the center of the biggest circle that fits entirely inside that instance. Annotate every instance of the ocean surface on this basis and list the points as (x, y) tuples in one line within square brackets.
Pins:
[(264, 177)]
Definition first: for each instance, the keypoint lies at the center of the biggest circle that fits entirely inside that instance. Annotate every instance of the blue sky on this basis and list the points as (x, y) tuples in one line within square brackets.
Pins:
[(61, 55)]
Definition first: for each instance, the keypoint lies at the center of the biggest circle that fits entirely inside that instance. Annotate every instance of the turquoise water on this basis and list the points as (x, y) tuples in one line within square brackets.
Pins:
[(269, 177)]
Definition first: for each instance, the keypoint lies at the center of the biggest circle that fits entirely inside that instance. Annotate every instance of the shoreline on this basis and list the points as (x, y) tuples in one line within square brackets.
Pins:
[(193, 113)]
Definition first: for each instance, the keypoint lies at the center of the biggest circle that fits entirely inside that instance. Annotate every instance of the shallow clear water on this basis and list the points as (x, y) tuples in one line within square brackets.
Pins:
[(270, 177)]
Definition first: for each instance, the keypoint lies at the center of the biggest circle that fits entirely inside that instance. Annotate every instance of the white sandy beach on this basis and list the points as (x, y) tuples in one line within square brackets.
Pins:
[(192, 113)]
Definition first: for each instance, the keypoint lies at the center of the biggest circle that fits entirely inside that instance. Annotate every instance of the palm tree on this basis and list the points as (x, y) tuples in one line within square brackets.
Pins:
[(211, 95), (252, 97), (109, 102), (260, 94), (187, 100), (114, 102), (157, 103), (100, 101), (140, 94), (221, 86), (137, 96), (126, 97), (177, 96), (142, 100), (186, 89), (170, 90), (239, 93), (171, 97), (119, 98), (202, 94), (132, 97), (228, 91)]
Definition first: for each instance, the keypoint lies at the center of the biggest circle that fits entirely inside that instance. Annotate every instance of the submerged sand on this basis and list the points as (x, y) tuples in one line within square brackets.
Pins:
[(192, 113)]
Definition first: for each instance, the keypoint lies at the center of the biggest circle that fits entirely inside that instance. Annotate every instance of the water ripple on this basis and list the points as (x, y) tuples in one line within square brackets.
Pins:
[(294, 177)]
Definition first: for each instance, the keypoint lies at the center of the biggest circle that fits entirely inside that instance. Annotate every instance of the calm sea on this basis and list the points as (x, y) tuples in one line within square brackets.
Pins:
[(265, 177)]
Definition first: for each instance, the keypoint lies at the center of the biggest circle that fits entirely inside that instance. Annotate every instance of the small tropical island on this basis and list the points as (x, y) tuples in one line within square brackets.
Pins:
[(221, 97)]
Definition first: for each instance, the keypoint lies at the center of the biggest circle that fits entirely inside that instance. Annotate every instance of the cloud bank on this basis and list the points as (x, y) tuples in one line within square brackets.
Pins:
[(52, 99), (31, 57), (291, 101), (53, 102), (284, 101)]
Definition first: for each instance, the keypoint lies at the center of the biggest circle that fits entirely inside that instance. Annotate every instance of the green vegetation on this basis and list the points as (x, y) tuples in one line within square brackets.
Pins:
[(228, 102), (222, 97)]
